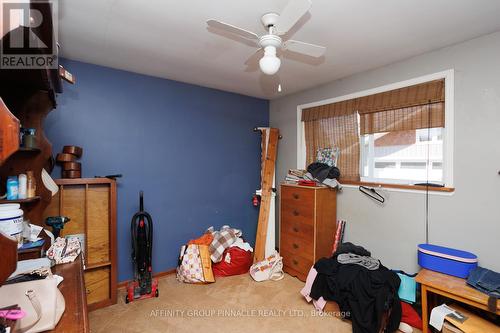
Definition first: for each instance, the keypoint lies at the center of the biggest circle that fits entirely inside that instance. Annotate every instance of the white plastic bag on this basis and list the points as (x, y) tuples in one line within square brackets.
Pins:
[(270, 268)]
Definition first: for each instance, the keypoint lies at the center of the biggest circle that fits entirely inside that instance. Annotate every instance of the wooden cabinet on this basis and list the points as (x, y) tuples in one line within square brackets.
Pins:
[(91, 205), (31, 112), (307, 226), (9, 132)]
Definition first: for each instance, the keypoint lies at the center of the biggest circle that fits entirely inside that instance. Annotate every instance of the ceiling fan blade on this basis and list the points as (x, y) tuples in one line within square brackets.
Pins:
[(252, 62), (305, 48), (292, 12), (231, 28)]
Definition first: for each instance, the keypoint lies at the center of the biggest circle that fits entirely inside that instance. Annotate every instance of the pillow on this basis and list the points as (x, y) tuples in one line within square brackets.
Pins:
[(328, 156)]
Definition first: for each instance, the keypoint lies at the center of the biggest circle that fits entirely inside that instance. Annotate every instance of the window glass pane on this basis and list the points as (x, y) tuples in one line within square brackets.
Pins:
[(383, 165), (403, 156), (424, 136), (437, 165), (413, 165), (429, 134)]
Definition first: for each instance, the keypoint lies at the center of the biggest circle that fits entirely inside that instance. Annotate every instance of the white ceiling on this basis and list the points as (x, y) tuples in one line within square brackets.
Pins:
[(170, 39)]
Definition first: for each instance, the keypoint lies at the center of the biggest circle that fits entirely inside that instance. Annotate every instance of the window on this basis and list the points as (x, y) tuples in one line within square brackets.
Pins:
[(394, 134)]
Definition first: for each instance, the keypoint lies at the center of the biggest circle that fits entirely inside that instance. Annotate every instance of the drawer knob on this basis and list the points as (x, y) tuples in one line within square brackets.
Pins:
[(295, 212), (87, 291), (295, 229), (295, 262), (295, 246), (295, 196)]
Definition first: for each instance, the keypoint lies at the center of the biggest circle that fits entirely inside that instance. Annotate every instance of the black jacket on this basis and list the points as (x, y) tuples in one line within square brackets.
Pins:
[(364, 294), (321, 171)]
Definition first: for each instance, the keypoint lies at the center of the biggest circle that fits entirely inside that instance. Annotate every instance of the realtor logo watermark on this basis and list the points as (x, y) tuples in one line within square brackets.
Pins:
[(29, 35)]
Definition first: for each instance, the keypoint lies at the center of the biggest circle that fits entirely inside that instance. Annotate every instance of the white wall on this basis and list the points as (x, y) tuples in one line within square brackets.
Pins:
[(470, 218)]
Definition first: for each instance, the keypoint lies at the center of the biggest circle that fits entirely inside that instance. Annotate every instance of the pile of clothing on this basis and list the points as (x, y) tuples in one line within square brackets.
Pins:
[(230, 254), (216, 253), (364, 289), (317, 174), (324, 174)]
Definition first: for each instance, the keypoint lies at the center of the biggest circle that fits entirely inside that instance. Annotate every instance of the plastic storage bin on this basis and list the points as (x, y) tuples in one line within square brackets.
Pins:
[(11, 222), (446, 260)]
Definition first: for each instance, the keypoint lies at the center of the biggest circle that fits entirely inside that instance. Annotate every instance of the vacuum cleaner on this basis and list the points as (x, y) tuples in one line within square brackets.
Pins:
[(143, 286)]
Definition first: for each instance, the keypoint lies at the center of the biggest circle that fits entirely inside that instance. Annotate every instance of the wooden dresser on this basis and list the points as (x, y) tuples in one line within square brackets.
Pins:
[(308, 218)]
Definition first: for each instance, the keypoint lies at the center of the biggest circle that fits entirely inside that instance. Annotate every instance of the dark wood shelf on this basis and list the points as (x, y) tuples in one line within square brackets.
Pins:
[(21, 201), (34, 150)]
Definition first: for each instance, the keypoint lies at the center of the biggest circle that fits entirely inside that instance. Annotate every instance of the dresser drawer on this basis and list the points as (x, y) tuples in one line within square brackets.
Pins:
[(297, 228), (297, 196), (297, 263), (297, 245), (297, 212)]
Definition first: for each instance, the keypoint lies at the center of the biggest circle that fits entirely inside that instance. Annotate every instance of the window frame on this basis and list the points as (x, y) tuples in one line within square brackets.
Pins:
[(448, 134)]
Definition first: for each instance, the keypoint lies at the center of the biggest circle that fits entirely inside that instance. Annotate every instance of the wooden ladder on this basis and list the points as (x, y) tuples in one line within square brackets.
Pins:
[(270, 137)]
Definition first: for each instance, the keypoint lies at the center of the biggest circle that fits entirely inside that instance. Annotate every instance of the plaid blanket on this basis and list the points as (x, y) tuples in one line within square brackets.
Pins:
[(222, 240)]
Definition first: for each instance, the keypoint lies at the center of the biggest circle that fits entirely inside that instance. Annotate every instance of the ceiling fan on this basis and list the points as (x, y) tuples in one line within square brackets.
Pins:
[(276, 25)]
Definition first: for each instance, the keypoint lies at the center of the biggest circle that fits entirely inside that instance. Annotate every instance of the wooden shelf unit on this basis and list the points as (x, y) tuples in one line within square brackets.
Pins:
[(31, 108), (90, 203), (29, 95)]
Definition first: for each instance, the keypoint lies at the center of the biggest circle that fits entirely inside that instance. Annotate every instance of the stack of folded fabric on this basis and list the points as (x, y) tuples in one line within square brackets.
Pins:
[(295, 175), (488, 282)]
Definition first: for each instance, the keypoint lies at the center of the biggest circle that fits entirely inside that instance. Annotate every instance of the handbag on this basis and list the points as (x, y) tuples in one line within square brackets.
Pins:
[(270, 268), (195, 265), (40, 299)]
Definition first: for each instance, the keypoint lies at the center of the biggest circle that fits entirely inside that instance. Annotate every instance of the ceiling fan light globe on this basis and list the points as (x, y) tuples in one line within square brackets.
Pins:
[(269, 65)]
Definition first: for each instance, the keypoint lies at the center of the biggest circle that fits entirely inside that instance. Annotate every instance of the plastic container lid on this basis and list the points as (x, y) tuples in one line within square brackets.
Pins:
[(11, 206), (10, 214), (448, 253)]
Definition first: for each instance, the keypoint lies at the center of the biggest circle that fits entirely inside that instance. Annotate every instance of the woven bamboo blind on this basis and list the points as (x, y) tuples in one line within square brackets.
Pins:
[(336, 124), (339, 131), (408, 108), (405, 119), (418, 95)]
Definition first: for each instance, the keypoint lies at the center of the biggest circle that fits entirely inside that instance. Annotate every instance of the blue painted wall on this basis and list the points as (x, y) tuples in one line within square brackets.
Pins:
[(191, 149)]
